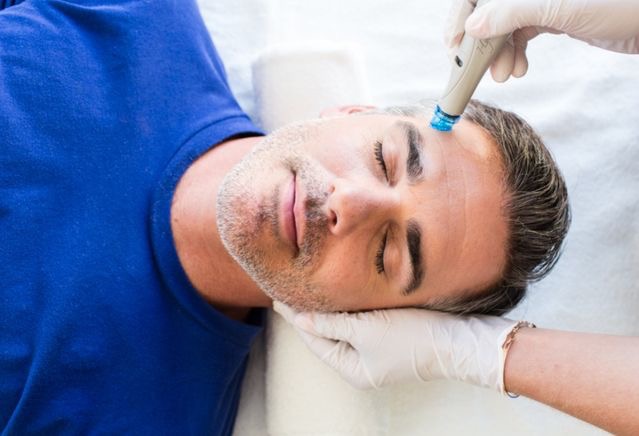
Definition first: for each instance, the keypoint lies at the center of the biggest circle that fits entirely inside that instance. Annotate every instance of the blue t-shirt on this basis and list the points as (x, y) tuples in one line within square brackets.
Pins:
[(103, 106)]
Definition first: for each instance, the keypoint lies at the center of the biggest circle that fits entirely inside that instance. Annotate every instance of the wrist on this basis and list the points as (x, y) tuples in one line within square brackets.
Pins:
[(507, 344), (493, 336), (517, 365)]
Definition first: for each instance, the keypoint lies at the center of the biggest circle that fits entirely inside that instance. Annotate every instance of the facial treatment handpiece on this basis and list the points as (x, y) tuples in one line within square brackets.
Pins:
[(469, 64)]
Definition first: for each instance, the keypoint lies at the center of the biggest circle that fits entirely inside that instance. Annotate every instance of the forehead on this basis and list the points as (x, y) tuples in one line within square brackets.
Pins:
[(468, 135), (467, 140), (468, 185)]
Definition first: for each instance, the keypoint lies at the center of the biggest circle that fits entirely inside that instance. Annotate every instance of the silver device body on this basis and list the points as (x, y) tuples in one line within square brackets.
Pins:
[(469, 65)]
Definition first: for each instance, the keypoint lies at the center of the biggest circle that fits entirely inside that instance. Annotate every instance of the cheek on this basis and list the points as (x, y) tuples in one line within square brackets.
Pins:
[(343, 276), (338, 154)]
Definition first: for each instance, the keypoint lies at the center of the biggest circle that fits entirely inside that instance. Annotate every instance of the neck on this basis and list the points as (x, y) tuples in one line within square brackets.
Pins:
[(209, 267)]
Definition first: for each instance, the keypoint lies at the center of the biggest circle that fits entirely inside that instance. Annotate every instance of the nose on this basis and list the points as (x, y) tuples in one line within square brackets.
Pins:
[(352, 204)]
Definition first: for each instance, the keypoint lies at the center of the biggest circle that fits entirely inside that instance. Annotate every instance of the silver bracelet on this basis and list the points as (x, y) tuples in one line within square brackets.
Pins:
[(510, 338)]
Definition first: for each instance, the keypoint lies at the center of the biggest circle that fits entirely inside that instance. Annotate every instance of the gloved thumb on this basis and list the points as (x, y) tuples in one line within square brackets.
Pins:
[(336, 326), (287, 312), (500, 17)]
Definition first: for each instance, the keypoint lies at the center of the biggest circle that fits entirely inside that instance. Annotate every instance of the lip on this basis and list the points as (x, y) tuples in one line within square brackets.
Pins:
[(299, 211), (287, 214)]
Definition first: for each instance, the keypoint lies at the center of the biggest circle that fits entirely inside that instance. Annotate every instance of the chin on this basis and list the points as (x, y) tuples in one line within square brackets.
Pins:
[(303, 299)]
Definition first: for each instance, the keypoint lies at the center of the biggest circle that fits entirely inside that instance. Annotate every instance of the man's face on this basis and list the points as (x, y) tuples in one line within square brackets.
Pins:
[(366, 212)]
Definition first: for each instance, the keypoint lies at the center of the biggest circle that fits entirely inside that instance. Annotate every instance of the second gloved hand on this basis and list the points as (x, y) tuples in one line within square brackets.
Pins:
[(381, 347)]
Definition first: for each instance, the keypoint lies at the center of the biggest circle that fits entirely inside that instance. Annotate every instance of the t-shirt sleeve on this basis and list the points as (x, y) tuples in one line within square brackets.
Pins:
[(5, 4), (140, 69)]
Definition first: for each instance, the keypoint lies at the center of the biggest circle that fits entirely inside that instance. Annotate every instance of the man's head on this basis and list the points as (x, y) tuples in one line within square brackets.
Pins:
[(364, 212)]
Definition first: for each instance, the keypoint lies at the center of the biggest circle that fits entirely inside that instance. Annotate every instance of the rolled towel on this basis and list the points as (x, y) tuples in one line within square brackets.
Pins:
[(296, 82), (304, 397)]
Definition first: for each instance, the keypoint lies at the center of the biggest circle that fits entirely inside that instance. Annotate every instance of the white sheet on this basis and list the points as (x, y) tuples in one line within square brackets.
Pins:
[(583, 101)]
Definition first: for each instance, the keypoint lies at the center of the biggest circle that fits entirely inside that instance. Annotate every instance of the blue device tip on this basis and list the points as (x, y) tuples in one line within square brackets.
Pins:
[(442, 121)]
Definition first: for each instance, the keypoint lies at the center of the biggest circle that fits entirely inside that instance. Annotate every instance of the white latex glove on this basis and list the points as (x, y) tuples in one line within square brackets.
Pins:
[(373, 349), (609, 24)]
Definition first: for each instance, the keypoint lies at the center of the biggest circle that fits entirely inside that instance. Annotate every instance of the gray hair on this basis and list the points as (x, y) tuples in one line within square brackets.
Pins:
[(536, 208)]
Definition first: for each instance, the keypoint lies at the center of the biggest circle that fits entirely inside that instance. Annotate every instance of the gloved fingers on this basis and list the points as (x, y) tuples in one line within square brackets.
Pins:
[(451, 49), (344, 359), (520, 42), (500, 17), (312, 325), (319, 345), (337, 326), (287, 312), (340, 356), (457, 15), (504, 63)]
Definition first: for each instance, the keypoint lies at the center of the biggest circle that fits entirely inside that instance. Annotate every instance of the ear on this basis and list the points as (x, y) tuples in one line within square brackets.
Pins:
[(339, 111)]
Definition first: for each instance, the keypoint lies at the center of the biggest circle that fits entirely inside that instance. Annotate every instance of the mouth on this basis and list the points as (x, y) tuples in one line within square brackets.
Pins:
[(287, 214), (299, 210)]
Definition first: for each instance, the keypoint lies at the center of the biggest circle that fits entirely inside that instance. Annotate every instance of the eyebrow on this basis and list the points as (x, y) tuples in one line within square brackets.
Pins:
[(414, 171), (414, 242), (414, 140)]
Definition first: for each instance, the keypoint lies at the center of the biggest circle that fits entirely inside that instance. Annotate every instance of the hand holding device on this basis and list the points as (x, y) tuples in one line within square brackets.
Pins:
[(470, 60), (609, 24)]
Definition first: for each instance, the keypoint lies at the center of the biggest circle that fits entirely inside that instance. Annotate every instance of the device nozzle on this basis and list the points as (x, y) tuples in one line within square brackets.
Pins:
[(442, 121)]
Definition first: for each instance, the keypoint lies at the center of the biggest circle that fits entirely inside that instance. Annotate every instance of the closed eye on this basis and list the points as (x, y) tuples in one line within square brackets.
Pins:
[(379, 258), (379, 157)]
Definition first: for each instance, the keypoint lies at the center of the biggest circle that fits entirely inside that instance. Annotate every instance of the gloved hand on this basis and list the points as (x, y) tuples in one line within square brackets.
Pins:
[(609, 24), (373, 349)]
